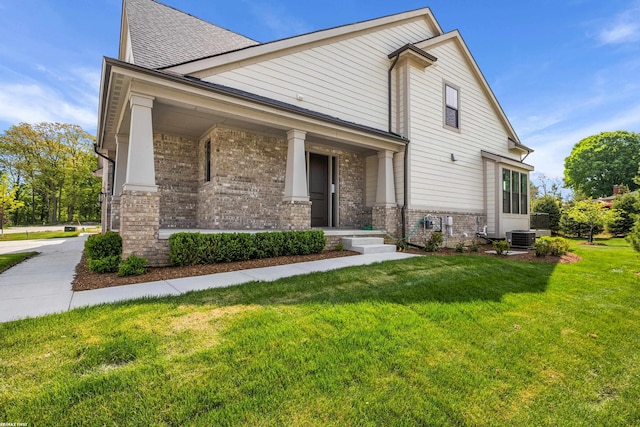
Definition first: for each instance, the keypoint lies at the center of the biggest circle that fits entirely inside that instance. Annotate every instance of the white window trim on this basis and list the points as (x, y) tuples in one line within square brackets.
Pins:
[(444, 106)]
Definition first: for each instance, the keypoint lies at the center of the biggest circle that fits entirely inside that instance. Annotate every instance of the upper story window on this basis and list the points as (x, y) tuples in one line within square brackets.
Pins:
[(514, 192), (451, 106)]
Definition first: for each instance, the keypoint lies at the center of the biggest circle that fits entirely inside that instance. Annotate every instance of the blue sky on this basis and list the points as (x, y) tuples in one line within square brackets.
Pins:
[(562, 70)]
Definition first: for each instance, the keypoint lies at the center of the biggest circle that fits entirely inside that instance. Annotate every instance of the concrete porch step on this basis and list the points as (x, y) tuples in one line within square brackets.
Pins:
[(350, 242), (367, 245), (374, 249)]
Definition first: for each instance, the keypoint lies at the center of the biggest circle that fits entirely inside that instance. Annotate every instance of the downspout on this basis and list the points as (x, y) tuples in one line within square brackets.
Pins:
[(113, 162), (406, 157)]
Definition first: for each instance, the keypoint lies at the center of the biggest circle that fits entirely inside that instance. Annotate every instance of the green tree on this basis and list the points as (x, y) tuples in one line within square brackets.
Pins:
[(628, 207), (54, 162), (591, 214), (8, 201), (549, 205), (599, 162), (634, 236)]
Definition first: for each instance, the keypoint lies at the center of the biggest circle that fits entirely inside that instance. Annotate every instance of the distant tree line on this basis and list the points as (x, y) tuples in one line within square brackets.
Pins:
[(46, 174)]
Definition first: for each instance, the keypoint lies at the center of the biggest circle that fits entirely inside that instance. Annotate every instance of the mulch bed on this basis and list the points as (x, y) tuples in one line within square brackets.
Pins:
[(85, 279)]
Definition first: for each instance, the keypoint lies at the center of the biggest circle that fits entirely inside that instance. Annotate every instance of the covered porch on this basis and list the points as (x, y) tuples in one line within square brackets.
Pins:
[(188, 155)]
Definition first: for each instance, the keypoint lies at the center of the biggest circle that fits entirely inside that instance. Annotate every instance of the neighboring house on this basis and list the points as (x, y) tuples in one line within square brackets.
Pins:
[(375, 124)]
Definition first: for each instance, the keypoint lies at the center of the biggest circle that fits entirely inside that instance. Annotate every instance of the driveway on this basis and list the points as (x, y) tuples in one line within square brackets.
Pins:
[(42, 284)]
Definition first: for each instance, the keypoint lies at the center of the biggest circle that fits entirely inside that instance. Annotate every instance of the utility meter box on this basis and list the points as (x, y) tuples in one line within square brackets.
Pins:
[(448, 221)]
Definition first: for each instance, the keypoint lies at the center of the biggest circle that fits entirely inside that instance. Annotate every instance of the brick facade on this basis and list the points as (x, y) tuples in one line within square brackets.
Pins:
[(388, 219), (247, 181), (295, 216), (115, 213), (465, 225), (175, 161), (139, 225)]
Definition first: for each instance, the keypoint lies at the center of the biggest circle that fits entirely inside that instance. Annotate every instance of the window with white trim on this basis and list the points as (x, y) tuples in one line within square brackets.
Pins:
[(515, 188), (451, 111)]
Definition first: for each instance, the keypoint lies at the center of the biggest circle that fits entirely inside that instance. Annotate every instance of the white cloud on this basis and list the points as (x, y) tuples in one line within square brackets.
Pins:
[(624, 28), (32, 103)]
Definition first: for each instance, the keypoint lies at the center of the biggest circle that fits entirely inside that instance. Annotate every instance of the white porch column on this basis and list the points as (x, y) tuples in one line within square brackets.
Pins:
[(295, 182), (141, 175), (122, 152), (386, 192)]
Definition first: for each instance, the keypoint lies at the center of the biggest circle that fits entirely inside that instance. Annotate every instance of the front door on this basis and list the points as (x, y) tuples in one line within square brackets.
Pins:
[(319, 189)]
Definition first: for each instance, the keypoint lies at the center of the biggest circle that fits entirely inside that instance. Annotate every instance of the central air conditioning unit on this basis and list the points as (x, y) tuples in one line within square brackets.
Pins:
[(521, 238)]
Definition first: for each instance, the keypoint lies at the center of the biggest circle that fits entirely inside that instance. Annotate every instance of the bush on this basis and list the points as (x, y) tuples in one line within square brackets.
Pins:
[(100, 246), (634, 237), (340, 246), (133, 266), (107, 264), (196, 248), (555, 246), (551, 206), (460, 247), (501, 247), (434, 242), (474, 246), (573, 228), (628, 207)]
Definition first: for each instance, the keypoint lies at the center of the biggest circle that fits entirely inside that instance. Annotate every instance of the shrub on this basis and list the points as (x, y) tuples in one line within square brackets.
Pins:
[(196, 248), (460, 247), (340, 246), (105, 245), (555, 246), (501, 247), (434, 242), (551, 206), (474, 246), (634, 237), (628, 207), (107, 264), (133, 266)]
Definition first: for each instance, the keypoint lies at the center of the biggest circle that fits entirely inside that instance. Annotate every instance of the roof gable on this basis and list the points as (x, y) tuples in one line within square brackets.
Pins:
[(456, 37), (161, 36), (252, 54)]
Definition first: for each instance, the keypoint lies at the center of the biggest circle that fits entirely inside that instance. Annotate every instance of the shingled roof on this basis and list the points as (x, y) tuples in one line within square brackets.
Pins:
[(163, 36)]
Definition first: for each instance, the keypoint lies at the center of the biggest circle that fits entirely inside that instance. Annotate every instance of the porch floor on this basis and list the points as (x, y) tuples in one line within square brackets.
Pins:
[(164, 233)]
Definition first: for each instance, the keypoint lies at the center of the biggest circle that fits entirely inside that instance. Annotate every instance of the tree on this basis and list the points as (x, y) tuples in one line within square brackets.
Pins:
[(8, 201), (54, 163), (599, 162), (591, 214), (634, 236), (549, 205), (628, 207)]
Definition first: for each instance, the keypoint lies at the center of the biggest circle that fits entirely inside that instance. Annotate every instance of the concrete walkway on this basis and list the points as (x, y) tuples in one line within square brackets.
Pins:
[(42, 285)]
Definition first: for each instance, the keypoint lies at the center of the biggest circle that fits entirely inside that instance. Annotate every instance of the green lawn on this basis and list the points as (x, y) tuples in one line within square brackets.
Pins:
[(9, 260), (38, 235), (461, 340)]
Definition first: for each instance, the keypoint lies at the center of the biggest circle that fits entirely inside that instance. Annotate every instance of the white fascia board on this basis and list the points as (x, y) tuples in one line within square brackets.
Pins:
[(505, 160), (254, 52), (202, 99), (455, 36)]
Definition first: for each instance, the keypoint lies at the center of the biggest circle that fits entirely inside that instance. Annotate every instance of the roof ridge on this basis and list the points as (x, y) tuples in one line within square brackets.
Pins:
[(309, 33), (201, 19)]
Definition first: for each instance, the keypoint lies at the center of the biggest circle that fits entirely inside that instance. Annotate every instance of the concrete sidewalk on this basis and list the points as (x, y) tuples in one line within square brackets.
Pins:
[(42, 285)]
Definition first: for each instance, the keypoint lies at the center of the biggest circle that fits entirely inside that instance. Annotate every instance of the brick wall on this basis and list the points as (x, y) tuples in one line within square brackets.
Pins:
[(139, 226), (247, 181), (463, 223), (176, 164)]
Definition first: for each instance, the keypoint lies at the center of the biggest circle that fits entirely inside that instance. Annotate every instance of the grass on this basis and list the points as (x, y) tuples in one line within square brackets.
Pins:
[(9, 260), (460, 340), (38, 235)]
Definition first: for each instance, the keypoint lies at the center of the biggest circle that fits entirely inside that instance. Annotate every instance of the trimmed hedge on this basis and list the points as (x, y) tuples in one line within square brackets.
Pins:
[(103, 251), (197, 248), (100, 246)]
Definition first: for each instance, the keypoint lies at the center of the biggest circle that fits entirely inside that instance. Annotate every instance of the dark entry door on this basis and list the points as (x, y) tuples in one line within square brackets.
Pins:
[(319, 189)]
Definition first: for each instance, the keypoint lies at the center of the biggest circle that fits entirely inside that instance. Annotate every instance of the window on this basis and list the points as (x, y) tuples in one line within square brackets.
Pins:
[(515, 187), (207, 165), (451, 115)]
